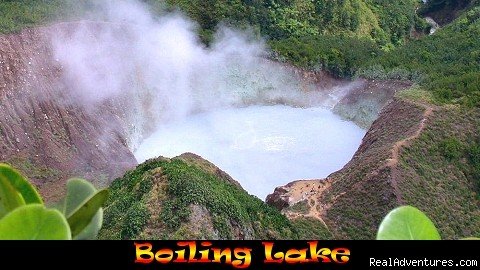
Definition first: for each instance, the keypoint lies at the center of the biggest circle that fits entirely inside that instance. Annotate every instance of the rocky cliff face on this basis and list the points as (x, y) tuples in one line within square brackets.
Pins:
[(45, 134), (364, 102)]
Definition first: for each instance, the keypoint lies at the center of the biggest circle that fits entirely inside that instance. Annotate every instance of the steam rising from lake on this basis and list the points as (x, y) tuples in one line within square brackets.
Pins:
[(158, 70), (158, 78)]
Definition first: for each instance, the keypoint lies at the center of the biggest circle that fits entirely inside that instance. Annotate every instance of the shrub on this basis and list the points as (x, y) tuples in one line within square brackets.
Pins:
[(451, 149)]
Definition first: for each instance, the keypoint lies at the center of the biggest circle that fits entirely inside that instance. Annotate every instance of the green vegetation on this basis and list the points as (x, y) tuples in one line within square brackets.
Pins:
[(311, 228), (79, 191), (363, 38), (337, 36), (302, 207), (417, 94), (34, 171), (384, 22), (226, 203), (19, 14), (159, 198), (23, 215), (450, 148), (473, 157), (341, 56), (440, 171), (445, 64), (387, 23), (465, 155)]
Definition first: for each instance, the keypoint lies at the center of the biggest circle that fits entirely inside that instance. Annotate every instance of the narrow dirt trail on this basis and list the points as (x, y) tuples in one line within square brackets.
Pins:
[(309, 190), (397, 148)]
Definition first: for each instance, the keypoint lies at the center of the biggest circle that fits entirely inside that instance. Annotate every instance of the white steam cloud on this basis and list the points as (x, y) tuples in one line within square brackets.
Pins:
[(161, 71), (155, 73)]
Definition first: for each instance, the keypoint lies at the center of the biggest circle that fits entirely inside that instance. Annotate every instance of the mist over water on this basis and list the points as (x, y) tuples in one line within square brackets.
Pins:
[(161, 71), (262, 147), (214, 101)]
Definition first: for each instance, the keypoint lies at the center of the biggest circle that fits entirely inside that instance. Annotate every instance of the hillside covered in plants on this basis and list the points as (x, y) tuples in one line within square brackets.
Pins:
[(187, 197)]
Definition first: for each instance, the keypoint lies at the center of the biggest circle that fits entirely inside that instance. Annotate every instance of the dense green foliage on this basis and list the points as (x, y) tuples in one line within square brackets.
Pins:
[(368, 38), (465, 155), (386, 22), (175, 186), (311, 228), (340, 56), (333, 35), (382, 21), (18, 14), (336, 36), (227, 203), (473, 155), (447, 63), (443, 163)]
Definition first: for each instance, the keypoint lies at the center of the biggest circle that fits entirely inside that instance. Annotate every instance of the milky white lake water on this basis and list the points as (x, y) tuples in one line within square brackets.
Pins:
[(262, 147)]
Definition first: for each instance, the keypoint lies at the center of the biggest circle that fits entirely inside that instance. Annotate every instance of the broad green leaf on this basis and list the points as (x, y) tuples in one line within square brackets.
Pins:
[(60, 205), (10, 198), (83, 215), (34, 222), (407, 223), (470, 238), (28, 192), (91, 231), (78, 190)]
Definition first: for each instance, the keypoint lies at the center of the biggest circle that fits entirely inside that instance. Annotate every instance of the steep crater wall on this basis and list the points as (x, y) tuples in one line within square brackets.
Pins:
[(42, 132)]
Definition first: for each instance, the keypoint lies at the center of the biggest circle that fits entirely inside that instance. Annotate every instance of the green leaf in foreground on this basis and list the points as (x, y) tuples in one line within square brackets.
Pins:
[(78, 190), (10, 198), (407, 223), (91, 231), (28, 192), (82, 216), (34, 222)]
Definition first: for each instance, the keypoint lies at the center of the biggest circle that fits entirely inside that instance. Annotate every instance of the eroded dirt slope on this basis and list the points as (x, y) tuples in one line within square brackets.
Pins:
[(41, 132)]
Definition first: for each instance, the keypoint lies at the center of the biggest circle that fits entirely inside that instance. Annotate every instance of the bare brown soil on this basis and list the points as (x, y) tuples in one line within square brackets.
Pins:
[(41, 132)]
